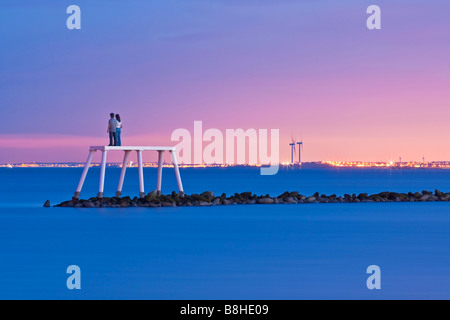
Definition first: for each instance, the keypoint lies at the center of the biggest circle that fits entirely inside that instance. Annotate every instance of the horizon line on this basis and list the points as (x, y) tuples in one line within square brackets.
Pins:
[(337, 164)]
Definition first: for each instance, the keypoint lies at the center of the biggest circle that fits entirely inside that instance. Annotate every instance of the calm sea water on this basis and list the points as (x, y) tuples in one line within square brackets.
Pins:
[(226, 252)]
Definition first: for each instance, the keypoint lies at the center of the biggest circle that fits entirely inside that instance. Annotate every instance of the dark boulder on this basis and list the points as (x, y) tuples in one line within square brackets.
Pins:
[(209, 195)]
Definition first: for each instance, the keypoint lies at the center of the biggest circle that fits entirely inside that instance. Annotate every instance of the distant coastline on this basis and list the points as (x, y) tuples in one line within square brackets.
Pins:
[(318, 164)]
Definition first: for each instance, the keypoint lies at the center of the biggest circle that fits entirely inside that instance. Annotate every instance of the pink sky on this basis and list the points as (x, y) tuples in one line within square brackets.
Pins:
[(308, 68)]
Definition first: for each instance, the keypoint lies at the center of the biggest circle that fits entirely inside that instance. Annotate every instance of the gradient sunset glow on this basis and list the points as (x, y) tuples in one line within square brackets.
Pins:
[(308, 68)]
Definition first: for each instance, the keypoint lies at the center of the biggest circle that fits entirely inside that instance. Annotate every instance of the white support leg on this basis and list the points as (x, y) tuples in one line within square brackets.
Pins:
[(141, 175), (159, 178), (177, 172), (102, 175), (122, 173), (83, 175)]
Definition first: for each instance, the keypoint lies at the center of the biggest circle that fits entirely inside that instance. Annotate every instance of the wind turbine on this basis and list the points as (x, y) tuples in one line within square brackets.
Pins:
[(300, 148), (292, 144)]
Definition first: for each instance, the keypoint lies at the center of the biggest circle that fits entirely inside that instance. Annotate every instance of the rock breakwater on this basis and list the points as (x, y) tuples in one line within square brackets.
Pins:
[(207, 198)]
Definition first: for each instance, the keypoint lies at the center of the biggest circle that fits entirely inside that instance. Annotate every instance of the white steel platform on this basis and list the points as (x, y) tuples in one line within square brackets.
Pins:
[(127, 150)]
